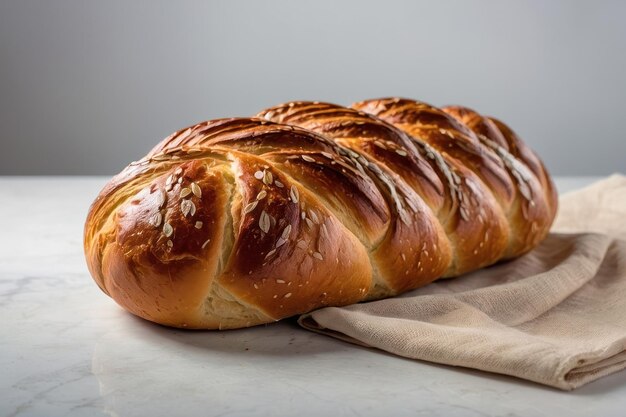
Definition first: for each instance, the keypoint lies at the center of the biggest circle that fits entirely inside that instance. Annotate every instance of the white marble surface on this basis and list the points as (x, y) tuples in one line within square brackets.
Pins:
[(68, 350)]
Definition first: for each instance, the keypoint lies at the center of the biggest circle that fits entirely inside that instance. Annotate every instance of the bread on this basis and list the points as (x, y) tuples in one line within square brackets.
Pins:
[(238, 222)]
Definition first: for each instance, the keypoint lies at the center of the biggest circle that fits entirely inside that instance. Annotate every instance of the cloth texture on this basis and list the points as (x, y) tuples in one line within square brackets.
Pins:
[(556, 316)]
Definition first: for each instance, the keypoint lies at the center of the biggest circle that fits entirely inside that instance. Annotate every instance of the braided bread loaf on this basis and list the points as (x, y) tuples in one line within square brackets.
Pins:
[(237, 222)]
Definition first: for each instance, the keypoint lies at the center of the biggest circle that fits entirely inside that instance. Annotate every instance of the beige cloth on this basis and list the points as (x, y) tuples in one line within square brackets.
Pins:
[(556, 316)]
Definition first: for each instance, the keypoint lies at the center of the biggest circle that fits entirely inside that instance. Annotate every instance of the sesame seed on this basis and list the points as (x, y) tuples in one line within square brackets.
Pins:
[(286, 232), (279, 184), (261, 195), (264, 222), (280, 281), (156, 219), (205, 243), (169, 180), (195, 189), (180, 180), (270, 253), (380, 144), (198, 225), (314, 217), (302, 215), (168, 230), (401, 152), (170, 243), (250, 207), (185, 207), (256, 286), (295, 195), (268, 178), (178, 171), (318, 255), (309, 223), (308, 158), (288, 295), (184, 192), (280, 242), (258, 175), (327, 155), (275, 296), (160, 198)]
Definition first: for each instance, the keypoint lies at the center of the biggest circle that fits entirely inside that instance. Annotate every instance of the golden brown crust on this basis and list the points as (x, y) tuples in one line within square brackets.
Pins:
[(526, 197), (415, 249), (291, 253), (237, 222)]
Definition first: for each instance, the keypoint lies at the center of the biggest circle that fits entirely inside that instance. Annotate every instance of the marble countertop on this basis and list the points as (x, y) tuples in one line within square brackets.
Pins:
[(66, 349)]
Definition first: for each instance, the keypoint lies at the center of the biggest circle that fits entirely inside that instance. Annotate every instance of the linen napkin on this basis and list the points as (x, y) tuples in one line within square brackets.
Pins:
[(556, 316)]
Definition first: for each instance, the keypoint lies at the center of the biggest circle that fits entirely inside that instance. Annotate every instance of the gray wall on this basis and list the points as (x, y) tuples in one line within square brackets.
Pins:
[(87, 86)]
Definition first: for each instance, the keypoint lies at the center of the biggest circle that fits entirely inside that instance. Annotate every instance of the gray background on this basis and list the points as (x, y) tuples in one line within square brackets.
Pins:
[(88, 86)]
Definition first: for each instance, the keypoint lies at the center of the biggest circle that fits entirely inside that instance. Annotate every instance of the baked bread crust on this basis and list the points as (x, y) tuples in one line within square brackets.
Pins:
[(237, 222)]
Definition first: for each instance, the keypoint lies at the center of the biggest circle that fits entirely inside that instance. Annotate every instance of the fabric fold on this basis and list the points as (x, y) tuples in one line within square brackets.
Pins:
[(556, 316)]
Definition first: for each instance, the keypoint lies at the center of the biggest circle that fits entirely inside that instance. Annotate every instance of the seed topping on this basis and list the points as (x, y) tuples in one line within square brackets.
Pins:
[(286, 232), (160, 198), (156, 219), (187, 207), (196, 190), (264, 222), (184, 192), (294, 194), (250, 207)]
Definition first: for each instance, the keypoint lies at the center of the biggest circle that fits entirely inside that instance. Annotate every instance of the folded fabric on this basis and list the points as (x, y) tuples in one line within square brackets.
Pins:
[(556, 316)]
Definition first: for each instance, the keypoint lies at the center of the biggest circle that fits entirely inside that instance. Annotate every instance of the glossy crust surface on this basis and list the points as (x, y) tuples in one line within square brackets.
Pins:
[(237, 222)]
